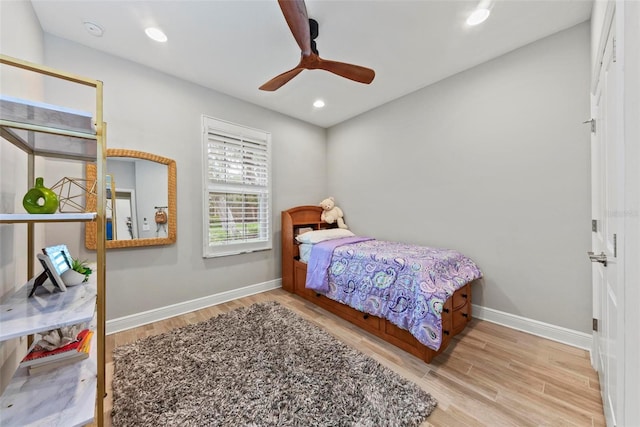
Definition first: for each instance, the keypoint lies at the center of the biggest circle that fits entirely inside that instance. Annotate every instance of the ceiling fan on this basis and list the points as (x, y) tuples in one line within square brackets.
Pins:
[(305, 31)]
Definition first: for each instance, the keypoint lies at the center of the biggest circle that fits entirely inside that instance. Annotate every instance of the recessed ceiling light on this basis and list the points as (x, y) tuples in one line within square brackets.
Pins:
[(156, 34), (93, 29), (319, 103), (478, 16)]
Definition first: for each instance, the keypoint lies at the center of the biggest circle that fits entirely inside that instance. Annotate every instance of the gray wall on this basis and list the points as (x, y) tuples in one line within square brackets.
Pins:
[(123, 172), (152, 183), (494, 162), (149, 111), (21, 37)]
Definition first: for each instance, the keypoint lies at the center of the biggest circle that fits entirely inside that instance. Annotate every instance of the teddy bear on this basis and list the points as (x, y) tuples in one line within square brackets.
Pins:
[(331, 213)]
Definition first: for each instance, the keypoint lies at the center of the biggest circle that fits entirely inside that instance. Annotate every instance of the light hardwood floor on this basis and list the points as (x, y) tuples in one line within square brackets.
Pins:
[(489, 376)]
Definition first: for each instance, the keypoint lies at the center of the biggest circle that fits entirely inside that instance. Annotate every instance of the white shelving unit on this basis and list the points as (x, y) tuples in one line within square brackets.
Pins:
[(64, 217), (21, 315), (64, 396)]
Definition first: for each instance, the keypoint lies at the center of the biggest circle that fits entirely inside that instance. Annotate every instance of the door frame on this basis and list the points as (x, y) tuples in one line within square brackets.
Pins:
[(628, 33), (128, 194)]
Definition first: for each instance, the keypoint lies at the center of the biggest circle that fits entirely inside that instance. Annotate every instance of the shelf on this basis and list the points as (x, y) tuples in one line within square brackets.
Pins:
[(65, 396), (20, 315), (60, 217), (48, 130), (62, 397)]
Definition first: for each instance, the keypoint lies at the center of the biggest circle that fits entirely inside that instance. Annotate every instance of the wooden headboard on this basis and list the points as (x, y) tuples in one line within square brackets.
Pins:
[(292, 220)]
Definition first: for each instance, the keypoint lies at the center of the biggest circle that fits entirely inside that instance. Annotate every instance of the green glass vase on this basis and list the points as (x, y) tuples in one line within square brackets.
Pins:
[(40, 199)]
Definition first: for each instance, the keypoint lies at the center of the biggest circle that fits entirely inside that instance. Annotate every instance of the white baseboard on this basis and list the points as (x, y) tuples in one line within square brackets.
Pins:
[(535, 327), (139, 319)]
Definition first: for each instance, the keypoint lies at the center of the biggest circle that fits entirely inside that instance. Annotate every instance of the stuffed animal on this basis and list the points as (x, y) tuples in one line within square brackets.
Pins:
[(331, 213)]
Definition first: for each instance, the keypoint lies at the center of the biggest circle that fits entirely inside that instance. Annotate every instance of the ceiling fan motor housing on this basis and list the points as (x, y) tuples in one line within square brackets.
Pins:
[(313, 30)]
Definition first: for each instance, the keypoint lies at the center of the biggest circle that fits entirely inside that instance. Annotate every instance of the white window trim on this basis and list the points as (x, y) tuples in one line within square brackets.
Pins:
[(222, 127)]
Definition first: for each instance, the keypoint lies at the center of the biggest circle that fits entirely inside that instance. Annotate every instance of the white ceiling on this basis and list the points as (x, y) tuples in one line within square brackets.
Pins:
[(236, 46)]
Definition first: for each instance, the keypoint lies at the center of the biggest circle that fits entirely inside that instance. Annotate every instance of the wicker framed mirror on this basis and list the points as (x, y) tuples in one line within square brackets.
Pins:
[(141, 200)]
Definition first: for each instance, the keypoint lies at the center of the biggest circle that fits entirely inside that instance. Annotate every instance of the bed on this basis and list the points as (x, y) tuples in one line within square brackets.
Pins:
[(448, 315)]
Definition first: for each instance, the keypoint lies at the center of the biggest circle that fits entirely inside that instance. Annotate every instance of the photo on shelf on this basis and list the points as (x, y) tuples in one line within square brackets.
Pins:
[(71, 271), (60, 268), (60, 257), (48, 273)]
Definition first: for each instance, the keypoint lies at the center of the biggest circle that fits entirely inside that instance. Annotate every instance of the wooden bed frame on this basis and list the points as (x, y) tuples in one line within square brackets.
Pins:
[(456, 312)]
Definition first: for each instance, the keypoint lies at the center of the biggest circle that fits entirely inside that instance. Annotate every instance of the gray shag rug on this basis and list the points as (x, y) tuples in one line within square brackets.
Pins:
[(258, 366)]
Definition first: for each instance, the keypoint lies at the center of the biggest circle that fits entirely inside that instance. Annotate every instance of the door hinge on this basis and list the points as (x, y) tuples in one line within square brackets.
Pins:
[(594, 225), (615, 246), (614, 49), (595, 325), (592, 122)]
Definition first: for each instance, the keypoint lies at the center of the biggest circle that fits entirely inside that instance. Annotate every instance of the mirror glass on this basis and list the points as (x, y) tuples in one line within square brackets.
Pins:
[(141, 200)]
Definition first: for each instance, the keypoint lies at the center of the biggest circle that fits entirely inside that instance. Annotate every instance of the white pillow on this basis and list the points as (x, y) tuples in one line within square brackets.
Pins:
[(305, 251), (318, 236)]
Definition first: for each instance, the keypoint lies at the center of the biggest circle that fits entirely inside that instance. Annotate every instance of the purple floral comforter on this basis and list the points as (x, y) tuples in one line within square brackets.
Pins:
[(405, 284)]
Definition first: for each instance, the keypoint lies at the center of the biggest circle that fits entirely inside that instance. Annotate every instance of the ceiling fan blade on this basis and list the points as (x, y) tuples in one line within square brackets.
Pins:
[(281, 79), (295, 13), (353, 72)]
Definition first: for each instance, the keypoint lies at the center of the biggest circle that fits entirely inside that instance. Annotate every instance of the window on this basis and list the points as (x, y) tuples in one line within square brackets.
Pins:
[(237, 188)]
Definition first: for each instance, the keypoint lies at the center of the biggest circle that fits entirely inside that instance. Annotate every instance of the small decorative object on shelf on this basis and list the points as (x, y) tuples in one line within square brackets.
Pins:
[(58, 347), (81, 267), (73, 278), (72, 193), (40, 199), (57, 338)]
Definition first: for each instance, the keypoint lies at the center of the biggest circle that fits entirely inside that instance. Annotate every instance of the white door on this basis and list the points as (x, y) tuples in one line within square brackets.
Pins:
[(126, 221), (607, 198)]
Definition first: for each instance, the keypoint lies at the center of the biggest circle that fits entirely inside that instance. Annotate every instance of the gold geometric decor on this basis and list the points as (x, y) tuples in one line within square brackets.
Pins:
[(72, 194)]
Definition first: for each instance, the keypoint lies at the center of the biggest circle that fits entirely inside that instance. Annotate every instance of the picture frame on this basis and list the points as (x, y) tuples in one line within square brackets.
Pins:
[(50, 273), (60, 257)]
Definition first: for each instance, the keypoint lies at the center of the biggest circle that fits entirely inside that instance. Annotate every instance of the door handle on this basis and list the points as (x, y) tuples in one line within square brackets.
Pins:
[(601, 258)]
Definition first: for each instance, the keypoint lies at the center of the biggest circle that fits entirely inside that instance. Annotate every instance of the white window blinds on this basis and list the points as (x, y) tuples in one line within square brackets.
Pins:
[(237, 187)]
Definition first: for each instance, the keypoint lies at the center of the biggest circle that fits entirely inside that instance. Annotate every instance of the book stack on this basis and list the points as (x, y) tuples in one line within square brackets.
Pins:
[(38, 359)]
